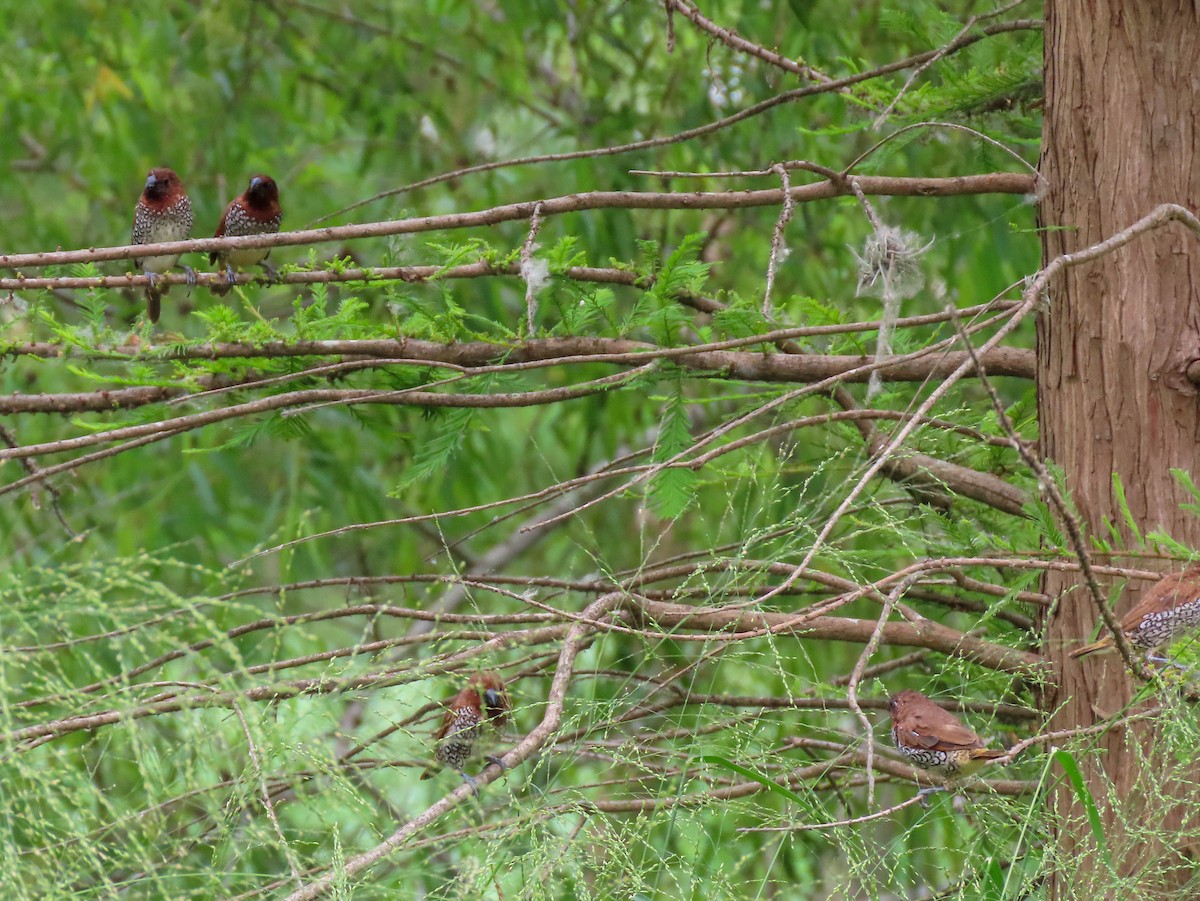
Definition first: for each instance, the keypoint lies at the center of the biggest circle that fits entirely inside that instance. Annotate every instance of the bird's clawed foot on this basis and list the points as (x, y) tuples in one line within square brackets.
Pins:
[(189, 275), (1154, 658), (496, 761), (470, 780), (924, 793), (271, 272), (230, 275)]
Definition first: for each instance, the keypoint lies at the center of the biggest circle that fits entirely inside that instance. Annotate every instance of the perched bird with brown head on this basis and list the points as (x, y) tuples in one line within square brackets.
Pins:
[(1168, 611), (163, 213), (472, 718), (255, 211), (934, 739)]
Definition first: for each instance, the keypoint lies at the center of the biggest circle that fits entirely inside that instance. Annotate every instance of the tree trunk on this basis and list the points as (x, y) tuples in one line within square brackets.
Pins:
[(1120, 135)]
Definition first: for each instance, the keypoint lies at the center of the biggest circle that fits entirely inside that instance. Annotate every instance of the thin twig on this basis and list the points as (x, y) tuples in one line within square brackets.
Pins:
[(468, 353), (860, 666), (256, 764), (777, 248), (808, 827), (35, 473), (954, 126), (736, 42), (532, 282)]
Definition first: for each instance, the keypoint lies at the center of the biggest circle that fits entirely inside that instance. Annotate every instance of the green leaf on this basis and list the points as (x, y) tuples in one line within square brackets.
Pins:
[(740, 322), (1123, 504), (769, 784), (1067, 761), (673, 489), (1184, 478), (579, 310), (658, 308), (434, 456)]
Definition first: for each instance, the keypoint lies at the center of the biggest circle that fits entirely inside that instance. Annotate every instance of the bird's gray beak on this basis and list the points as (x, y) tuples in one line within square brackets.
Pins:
[(151, 181), (255, 182), (491, 697)]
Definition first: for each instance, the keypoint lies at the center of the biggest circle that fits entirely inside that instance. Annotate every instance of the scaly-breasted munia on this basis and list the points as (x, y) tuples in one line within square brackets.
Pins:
[(935, 740), (1167, 611), (255, 211), (163, 213), (472, 717)]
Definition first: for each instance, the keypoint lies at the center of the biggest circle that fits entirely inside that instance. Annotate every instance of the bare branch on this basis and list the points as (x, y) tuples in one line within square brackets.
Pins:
[(778, 251), (527, 270), (926, 633), (737, 42), (1003, 361), (994, 183)]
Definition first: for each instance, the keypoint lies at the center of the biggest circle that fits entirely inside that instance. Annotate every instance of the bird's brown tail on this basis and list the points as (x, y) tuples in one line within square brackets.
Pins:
[(153, 305), (1103, 644), (986, 754)]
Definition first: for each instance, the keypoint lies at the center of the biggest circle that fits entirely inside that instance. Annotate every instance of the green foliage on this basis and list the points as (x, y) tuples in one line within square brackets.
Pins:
[(672, 489), (658, 309), (438, 450), (1069, 765), (741, 319)]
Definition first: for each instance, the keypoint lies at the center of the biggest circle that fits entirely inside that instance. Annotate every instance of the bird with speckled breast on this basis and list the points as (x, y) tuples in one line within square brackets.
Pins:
[(255, 211), (935, 739), (163, 213), (1168, 611), (472, 718)]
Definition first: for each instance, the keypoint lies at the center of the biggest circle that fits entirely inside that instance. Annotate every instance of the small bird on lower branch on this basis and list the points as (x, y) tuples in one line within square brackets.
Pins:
[(1168, 611), (472, 718), (935, 740)]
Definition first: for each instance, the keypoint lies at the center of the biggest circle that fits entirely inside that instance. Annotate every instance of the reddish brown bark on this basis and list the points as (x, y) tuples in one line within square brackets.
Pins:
[(1121, 134)]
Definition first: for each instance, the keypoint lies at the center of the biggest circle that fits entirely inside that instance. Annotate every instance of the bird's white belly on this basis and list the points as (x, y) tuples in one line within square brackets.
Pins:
[(158, 264), (247, 257)]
